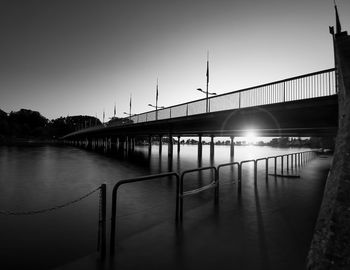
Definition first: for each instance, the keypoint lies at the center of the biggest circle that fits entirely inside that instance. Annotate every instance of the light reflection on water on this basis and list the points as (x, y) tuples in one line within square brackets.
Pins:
[(34, 178)]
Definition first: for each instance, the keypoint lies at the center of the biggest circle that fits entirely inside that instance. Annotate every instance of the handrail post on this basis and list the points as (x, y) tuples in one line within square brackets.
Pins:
[(181, 203), (267, 169), (239, 100), (114, 202), (103, 220), (177, 200), (275, 165), (239, 177), (217, 186), (282, 158), (113, 220), (255, 171)]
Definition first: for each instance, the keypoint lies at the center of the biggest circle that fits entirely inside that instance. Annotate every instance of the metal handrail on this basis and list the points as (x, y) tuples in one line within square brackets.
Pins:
[(247, 161), (133, 180), (266, 166), (181, 193), (226, 165), (327, 83), (320, 83), (326, 71)]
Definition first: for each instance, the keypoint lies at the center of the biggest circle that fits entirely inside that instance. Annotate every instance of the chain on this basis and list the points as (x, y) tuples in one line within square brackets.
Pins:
[(10, 213)]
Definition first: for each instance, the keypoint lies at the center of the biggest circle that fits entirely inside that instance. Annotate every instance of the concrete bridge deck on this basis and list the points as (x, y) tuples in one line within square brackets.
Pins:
[(308, 117)]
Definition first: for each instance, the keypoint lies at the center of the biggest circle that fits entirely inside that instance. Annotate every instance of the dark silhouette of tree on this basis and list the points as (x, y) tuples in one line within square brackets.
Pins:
[(28, 124)]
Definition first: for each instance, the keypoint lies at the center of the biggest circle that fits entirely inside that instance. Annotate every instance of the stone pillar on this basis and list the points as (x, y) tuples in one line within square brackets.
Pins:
[(330, 247)]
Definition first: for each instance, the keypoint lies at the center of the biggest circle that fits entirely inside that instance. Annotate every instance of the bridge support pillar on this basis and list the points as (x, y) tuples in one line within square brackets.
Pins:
[(133, 141), (178, 144), (232, 148), (128, 145), (160, 144), (121, 146), (211, 148), (105, 145), (170, 146), (200, 147), (149, 145), (113, 145)]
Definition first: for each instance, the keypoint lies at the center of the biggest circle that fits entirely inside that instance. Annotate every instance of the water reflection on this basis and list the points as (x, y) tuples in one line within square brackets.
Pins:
[(40, 177)]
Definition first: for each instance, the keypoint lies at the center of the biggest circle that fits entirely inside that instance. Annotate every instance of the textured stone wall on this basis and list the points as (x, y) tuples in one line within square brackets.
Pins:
[(330, 247)]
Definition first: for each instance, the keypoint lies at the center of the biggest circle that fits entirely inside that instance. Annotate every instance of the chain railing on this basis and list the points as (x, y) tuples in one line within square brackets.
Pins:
[(101, 239)]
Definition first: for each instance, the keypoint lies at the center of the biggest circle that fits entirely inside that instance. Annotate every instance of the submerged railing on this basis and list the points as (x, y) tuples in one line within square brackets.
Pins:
[(294, 160), (134, 180)]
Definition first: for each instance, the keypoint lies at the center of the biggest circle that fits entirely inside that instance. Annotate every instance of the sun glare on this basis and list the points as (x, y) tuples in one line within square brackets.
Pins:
[(250, 137)]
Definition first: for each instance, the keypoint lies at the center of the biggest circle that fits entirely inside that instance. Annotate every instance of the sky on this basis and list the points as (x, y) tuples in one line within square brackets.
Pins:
[(81, 57)]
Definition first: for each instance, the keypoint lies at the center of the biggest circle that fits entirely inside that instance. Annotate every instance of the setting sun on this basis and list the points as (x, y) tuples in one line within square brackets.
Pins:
[(250, 137)]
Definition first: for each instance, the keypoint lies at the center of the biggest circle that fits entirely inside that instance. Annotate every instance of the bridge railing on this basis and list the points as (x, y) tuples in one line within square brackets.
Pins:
[(312, 85)]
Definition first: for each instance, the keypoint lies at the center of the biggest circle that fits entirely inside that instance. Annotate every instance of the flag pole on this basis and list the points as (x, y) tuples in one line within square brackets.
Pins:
[(130, 108), (207, 86), (157, 100), (103, 116)]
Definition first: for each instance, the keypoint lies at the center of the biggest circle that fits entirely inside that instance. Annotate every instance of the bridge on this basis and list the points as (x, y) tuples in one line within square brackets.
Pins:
[(305, 105)]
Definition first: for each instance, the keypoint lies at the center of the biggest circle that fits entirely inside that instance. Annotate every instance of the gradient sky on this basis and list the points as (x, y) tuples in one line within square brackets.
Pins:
[(78, 57)]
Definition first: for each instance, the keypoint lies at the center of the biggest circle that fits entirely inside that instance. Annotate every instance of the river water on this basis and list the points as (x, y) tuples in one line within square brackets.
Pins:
[(41, 177)]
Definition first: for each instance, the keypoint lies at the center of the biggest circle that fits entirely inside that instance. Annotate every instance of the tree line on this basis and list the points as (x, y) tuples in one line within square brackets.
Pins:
[(28, 124)]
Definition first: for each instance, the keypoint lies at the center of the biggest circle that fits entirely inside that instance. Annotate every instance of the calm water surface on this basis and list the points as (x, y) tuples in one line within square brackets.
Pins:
[(40, 177)]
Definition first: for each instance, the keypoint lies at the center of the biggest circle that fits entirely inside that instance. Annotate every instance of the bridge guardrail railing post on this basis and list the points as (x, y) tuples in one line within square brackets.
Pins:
[(212, 184), (133, 180), (232, 164), (247, 161), (266, 166)]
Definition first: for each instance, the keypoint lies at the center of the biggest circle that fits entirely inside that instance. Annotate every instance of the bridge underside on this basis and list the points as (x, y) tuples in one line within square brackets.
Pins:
[(309, 117)]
